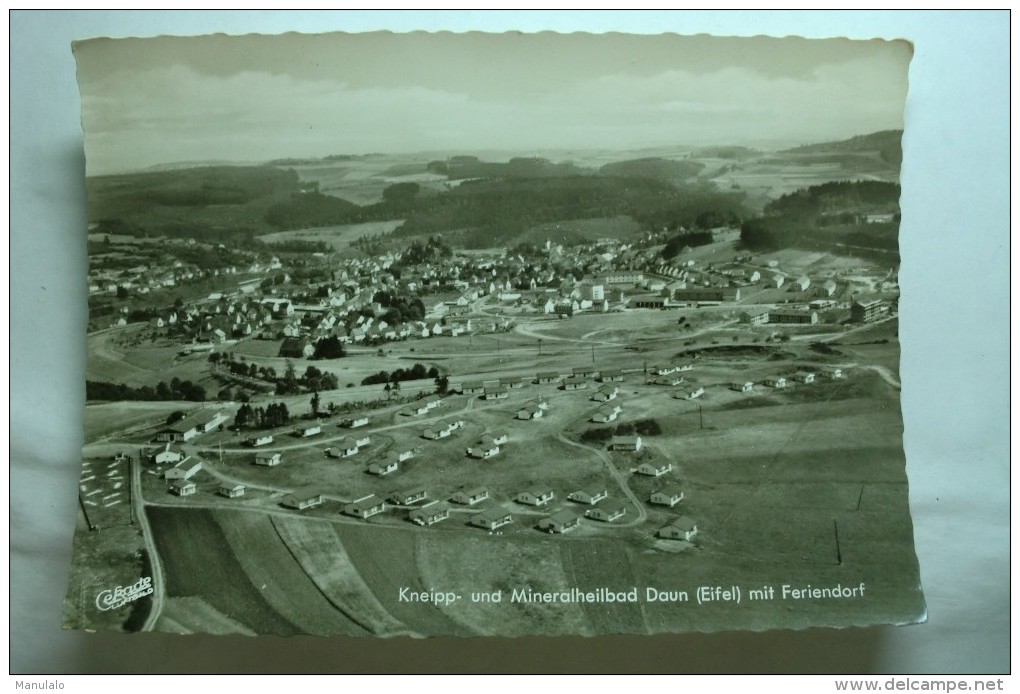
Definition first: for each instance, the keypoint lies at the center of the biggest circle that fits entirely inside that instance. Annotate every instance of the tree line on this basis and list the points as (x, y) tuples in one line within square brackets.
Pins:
[(415, 373), (272, 415), (175, 390)]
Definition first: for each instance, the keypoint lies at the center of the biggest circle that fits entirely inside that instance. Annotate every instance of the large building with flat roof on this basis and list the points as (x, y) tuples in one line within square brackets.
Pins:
[(864, 311)]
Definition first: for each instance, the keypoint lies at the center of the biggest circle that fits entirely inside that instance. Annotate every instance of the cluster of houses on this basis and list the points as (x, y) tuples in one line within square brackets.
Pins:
[(779, 382), (150, 275)]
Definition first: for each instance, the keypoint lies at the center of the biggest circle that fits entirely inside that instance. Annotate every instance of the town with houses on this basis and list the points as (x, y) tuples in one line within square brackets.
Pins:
[(298, 408)]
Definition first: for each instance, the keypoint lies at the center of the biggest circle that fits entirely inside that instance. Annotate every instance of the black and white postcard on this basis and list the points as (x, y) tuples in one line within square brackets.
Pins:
[(492, 335)]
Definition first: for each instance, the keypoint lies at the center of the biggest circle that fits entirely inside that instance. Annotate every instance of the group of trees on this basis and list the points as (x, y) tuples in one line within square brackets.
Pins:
[(242, 368), (302, 210), (272, 415), (828, 217), (644, 427), (434, 250), (175, 390), (416, 372), (287, 384), (400, 308), (837, 196), (312, 380), (680, 241), (329, 348)]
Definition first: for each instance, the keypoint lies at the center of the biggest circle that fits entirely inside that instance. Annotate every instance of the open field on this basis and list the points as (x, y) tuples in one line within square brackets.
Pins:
[(319, 550), (363, 180), (190, 615), (339, 238), (199, 562), (105, 419), (786, 487)]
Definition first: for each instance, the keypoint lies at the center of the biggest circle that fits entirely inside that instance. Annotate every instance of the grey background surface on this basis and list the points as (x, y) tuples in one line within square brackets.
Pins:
[(955, 361)]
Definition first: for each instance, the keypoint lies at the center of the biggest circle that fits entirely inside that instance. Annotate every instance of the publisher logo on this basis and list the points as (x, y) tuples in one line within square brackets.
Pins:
[(112, 598)]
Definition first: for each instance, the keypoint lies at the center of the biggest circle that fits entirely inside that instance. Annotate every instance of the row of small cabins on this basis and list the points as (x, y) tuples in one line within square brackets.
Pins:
[(805, 377), (602, 509), (577, 378), (491, 519), (180, 482)]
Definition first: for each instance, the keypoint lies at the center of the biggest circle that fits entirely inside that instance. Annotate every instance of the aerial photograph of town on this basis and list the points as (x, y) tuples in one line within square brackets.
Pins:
[(492, 335)]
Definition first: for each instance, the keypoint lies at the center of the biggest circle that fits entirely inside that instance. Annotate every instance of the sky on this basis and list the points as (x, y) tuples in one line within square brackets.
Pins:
[(253, 98)]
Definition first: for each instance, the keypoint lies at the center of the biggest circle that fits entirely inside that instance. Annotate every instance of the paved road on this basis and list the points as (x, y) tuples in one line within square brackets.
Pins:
[(158, 580)]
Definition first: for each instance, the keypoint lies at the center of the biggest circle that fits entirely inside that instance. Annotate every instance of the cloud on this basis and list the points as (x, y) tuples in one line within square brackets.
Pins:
[(138, 118)]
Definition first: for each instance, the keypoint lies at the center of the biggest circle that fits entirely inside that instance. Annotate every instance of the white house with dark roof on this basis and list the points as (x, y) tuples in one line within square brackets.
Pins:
[(804, 377), (436, 432), (530, 412), (384, 467), (680, 528), (231, 490), (469, 496), (183, 487), (365, 507), (605, 393), (429, 515), (302, 499), (690, 394), (499, 392), (184, 470), (626, 443), (344, 448), (654, 468), (607, 413), (538, 496), (168, 454), (486, 447), (407, 497), (492, 518), (574, 383), (607, 511), (670, 495), (547, 377), (591, 494), (560, 522), (268, 458)]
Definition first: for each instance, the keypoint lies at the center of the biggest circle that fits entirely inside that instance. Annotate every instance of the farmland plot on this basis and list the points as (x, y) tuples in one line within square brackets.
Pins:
[(387, 560), (281, 580), (199, 562), (319, 551), (486, 564)]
